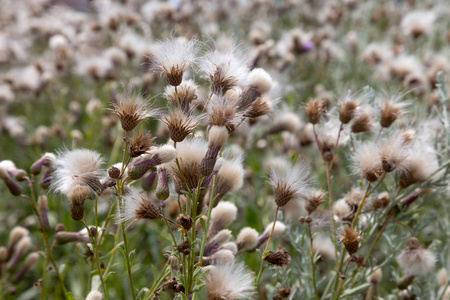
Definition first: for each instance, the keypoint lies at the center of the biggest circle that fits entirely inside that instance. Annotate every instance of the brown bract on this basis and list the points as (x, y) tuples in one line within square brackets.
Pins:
[(140, 143), (180, 125), (130, 113)]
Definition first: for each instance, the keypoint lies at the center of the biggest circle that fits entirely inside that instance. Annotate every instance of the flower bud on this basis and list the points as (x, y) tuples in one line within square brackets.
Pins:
[(162, 187), (114, 172), (43, 210), (30, 260), (279, 257), (185, 221), (148, 180)]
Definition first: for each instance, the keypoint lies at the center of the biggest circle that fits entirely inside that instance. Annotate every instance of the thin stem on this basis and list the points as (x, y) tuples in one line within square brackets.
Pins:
[(158, 280), (361, 203), (96, 258), (313, 265), (261, 267), (33, 201), (341, 285), (330, 190), (127, 259)]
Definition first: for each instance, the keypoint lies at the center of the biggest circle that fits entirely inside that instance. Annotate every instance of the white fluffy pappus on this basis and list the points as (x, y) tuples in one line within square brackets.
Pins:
[(224, 68), (416, 261), (247, 239), (291, 182), (233, 281), (75, 167), (277, 231), (261, 80), (173, 53), (135, 206), (94, 295)]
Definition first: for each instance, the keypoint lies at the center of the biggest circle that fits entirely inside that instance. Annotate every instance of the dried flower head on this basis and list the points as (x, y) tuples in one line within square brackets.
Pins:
[(225, 70), (162, 155), (140, 143), (222, 111), (190, 154), (183, 96), (375, 276), (341, 209), (390, 112), (313, 200), (367, 161), (247, 239), (362, 123), (418, 23), (381, 201), (77, 167), (136, 206), (347, 111), (216, 139), (221, 216), (350, 238), (415, 260), (261, 106), (173, 57), (279, 257), (229, 178), (131, 110), (229, 281), (180, 124), (314, 109), (394, 153), (290, 182)]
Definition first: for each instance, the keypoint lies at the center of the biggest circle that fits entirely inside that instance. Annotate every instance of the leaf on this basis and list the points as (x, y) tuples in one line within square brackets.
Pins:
[(198, 288), (109, 274), (356, 290)]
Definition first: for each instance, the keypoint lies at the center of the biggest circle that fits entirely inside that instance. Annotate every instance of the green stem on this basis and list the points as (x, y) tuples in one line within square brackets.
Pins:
[(263, 256), (127, 259), (313, 265), (96, 258)]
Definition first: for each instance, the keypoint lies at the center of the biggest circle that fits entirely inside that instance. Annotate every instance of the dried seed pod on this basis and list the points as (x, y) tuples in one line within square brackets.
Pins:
[(185, 221), (314, 109), (77, 196), (351, 239), (140, 143), (114, 172), (217, 138), (279, 257), (284, 291), (162, 187), (347, 111), (184, 247), (313, 201)]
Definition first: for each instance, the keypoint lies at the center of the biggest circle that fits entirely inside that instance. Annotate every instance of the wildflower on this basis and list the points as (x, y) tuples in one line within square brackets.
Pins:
[(79, 167), (222, 111), (279, 257), (231, 281), (367, 161), (162, 187), (313, 200), (341, 209), (131, 111), (221, 216), (278, 231), (163, 154), (220, 238), (217, 137), (259, 84), (230, 177), (221, 257), (184, 96), (247, 239), (225, 70), (351, 239), (29, 262), (185, 221), (290, 182), (173, 57), (415, 260), (418, 23), (420, 164), (140, 143), (382, 200), (286, 120), (362, 123), (190, 154), (314, 109), (94, 295), (136, 206), (261, 106), (180, 124), (394, 153), (347, 111)]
